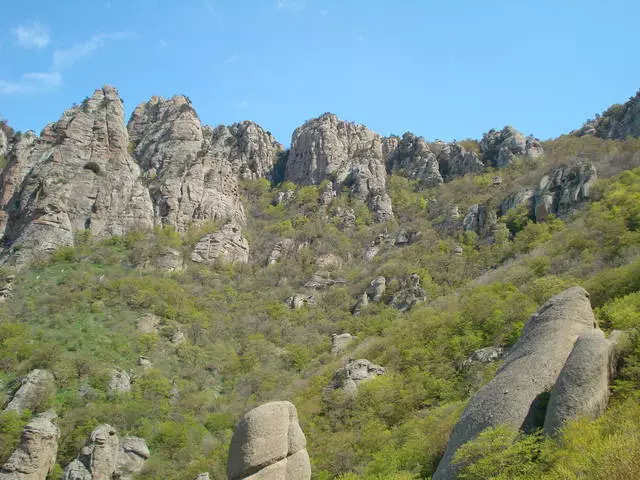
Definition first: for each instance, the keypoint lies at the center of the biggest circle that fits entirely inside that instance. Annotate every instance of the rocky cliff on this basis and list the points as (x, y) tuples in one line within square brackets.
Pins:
[(618, 122)]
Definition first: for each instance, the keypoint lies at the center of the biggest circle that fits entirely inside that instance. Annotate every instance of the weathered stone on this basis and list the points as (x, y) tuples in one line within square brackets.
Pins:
[(500, 148), (481, 220), (404, 238), (519, 197), (203, 476), (226, 245), (410, 293), (299, 300), (582, 389), (564, 190), (82, 178), (340, 342), (178, 337), (353, 373), (269, 444), (329, 262), (322, 280), (35, 457), (34, 389), (119, 383), (531, 368), (284, 197), (348, 154), (133, 454), (485, 355), (168, 260), (280, 250), (149, 323), (413, 159), (455, 161), (618, 122), (377, 288)]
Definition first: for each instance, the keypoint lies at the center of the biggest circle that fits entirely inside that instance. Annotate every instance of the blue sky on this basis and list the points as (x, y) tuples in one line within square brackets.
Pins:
[(447, 70)]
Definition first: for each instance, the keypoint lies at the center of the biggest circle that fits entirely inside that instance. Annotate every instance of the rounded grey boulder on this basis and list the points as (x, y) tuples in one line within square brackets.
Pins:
[(269, 444)]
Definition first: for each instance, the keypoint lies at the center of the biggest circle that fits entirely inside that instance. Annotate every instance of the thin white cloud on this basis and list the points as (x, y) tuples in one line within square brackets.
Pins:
[(233, 58), (290, 4), (32, 35), (63, 59), (31, 82), (242, 104)]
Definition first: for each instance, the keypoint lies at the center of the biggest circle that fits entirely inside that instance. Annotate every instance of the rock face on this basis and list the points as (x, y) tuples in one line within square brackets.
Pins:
[(226, 245), (564, 190), (500, 148), (269, 444), (412, 158), (322, 280), (455, 161), (281, 249), (351, 155), (530, 369), (353, 373), (105, 457), (339, 342), (481, 220), (82, 178), (410, 293), (519, 197), (582, 388), (35, 458), (617, 123), (299, 300), (119, 383), (35, 387)]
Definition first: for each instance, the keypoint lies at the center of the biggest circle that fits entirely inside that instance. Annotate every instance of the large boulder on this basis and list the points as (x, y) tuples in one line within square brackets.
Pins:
[(268, 443), (35, 457), (354, 373), (119, 382), (582, 389), (82, 178), (411, 157), (280, 250), (106, 457), (226, 245), (350, 155), (517, 393), (501, 147), (410, 293), (34, 389)]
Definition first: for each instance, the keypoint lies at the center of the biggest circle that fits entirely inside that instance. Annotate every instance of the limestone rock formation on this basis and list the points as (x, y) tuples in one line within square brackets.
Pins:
[(521, 196), (530, 369), (299, 300), (82, 178), (563, 190), (35, 457), (226, 245), (35, 387), (411, 157), (348, 154), (582, 388), (4, 142), (352, 374), (481, 220), (501, 147), (410, 293), (322, 280), (339, 342), (618, 122), (119, 383), (455, 161), (106, 457), (268, 443), (280, 250)]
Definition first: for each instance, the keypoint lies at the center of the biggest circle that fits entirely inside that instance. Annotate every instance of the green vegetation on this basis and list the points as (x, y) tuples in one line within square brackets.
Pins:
[(77, 314)]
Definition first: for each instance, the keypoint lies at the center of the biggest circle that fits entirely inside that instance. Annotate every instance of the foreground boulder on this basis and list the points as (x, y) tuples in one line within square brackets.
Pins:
[(582, 389), (35, 458), (269, 444), (35, 387), (106, 457), (531, 368)]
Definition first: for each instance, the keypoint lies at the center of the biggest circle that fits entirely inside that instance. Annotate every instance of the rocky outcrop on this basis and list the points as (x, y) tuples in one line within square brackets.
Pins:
[(299, 300), (372, 294), (455, 161), (481, 220), (564, 189), (485, 355), (226, 245), (268, 443), (35, 457), (410, 293), (82, 178), (500, 148), (348, 154), (411, 157), (36, 387), (339, 342), (280, 250), (354, 373), (119, 383), (521, 196), (617, 123), (516, 394), (4, 143), (322, 280), (106, 457), (582, 389)]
